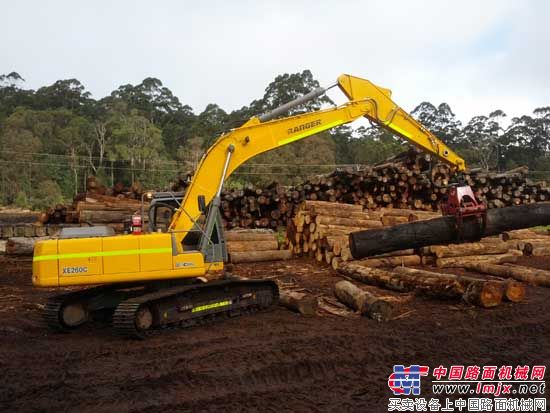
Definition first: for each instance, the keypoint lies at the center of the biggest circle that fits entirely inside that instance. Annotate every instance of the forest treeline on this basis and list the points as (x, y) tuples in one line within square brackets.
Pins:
[(53, 137)]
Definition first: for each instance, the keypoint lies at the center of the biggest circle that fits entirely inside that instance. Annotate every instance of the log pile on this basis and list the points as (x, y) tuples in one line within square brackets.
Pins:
[(485, 293), (407, 181), (255, 245), (321, 229)]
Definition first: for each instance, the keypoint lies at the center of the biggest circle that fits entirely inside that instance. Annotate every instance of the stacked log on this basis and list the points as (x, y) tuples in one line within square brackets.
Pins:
[(321, 229), (254, 246)]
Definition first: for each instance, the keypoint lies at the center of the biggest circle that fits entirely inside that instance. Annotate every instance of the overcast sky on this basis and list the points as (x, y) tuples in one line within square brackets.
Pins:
[(475, 55)]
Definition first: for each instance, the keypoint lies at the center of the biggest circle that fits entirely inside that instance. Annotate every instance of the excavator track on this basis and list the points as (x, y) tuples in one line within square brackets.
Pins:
[(54, 312), (183, 307), (141, 310)]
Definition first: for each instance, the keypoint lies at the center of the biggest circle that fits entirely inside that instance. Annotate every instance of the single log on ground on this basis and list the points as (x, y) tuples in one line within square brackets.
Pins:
[(483, 293), (304, 304), (520, 273), (244, 246), (22, 245), (257, 256), (362, 301), (510, 256), (443, 230), (390, 261)]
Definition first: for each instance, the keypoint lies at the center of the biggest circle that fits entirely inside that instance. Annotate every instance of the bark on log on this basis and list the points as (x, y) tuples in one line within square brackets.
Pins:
[(443, 230), (363, 301), (540, 251), (304, 304), (483, 293), (474, 248), (250, 235), (434, 286), (390, 261), (258, 256), (22, 245), (248, 246), (510, 256), (520, 273)]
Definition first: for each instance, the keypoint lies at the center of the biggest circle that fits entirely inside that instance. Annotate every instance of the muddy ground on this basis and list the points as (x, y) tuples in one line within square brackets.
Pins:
[(270, 362)]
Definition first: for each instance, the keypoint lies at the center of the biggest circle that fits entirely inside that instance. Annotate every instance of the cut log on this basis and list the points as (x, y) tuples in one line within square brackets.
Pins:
[(510, 256), (22, 245), (250, 235), (540, 251), (483, 293), (434, 286), (520, 273), (443, 230), (397, 253), (474, 248), (258, 256), (363, 301), (304, 304), (390, 261), (103, 217), (244, 246)]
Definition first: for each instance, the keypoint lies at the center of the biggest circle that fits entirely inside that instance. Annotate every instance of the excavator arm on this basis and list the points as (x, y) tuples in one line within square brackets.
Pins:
[(261, 134)]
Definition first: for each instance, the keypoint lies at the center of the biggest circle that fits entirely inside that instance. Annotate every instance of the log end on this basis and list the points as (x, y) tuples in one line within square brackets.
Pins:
[(486, 294), (380, 310), (515, 291)]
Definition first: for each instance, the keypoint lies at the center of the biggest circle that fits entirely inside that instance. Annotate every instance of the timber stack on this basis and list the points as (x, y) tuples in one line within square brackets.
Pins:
[(254, 245), (407, 181), (321, 230)]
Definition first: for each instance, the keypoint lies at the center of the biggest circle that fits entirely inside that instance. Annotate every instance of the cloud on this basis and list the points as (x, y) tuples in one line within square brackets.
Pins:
[(476, 56)]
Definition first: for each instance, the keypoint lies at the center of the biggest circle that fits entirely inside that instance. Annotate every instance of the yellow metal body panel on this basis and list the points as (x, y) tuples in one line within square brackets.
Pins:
[(45, 273), (155, 262), (114, 264), (122, 258), (76, 265)]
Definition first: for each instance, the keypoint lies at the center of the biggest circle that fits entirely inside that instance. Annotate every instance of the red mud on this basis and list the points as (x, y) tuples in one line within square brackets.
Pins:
[(269, 362)]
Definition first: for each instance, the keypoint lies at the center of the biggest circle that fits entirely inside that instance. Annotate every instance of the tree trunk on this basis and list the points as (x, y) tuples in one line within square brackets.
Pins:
[(525, 274), (257, 256), (390, 261), (363, 301), (479, 292), (22, 245), (443, 230), (302, 303), (250, 235), (247, 246), (511, 256), (474, 248)]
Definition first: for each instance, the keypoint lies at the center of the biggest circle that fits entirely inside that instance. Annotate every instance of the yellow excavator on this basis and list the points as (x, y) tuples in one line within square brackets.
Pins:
[(154, 280)]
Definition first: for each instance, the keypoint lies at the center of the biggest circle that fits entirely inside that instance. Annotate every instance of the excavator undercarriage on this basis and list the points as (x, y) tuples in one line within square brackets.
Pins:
[(138, 310)]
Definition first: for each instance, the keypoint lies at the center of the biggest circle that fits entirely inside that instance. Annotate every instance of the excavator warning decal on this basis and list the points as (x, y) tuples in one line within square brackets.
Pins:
[(211, 306)]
